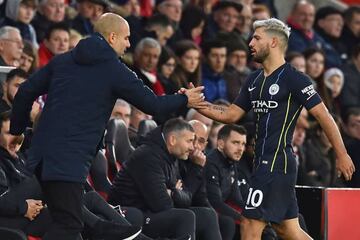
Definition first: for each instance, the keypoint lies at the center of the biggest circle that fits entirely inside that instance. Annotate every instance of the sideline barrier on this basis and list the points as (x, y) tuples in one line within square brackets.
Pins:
[(342, 213), (330, 213)]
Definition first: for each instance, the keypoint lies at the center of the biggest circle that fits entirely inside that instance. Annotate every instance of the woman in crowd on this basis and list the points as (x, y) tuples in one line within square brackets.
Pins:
[(188, 69), (315, 65), (165, 67), (192, 23)]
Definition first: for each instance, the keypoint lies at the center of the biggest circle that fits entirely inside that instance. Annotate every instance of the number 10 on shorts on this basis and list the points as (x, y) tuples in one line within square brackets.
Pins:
[(254, 198)]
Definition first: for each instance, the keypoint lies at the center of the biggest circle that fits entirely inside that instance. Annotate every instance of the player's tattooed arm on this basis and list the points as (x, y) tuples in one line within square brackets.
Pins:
[(218, 108), (220, 113)]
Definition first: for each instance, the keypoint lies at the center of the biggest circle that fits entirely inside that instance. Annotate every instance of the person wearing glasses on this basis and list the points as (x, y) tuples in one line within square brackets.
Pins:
[(11, 46)]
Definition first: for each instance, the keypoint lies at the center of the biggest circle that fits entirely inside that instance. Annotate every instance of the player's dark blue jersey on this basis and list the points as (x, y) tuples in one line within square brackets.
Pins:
[(276, 101)]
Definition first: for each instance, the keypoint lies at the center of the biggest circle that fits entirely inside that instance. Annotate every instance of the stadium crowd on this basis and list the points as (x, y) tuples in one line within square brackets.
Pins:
[(177, 175)]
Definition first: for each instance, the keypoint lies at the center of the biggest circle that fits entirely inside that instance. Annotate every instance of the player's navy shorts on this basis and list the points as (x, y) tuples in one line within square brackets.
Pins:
[(272, 197)]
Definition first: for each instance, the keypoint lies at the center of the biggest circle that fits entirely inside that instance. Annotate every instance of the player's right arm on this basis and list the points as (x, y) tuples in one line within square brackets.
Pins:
[(224, 114)]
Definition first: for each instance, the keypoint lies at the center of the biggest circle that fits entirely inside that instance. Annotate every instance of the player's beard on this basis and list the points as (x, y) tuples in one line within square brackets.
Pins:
[(262, 54)]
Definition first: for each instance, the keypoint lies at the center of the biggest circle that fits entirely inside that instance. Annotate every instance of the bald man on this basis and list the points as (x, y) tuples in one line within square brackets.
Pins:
[(82, 87)]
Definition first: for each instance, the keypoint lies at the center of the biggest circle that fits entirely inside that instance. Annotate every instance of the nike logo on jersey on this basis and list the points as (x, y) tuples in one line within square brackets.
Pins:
[(251, 89)]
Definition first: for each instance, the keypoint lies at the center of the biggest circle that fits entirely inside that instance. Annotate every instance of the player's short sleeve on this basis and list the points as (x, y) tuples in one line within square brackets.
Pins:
[(243, 99), (303, 90)]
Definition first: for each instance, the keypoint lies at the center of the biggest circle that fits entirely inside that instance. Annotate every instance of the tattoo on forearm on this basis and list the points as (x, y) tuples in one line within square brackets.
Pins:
[(221, 109)]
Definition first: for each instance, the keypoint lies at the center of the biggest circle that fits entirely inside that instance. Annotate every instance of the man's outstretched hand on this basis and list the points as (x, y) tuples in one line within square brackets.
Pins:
[(195, 96)]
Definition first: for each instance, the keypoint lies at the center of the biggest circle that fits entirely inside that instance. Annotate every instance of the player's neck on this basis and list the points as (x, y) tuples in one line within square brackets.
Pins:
[(272, 63)]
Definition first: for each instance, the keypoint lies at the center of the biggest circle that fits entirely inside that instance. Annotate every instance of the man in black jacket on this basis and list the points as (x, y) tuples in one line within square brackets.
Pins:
[(150, 180), (81, 86), (223, 184), (21, 205), (193, 176)]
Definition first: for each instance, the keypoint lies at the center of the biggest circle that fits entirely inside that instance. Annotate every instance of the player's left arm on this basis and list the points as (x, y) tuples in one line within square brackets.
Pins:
[(344, 163)]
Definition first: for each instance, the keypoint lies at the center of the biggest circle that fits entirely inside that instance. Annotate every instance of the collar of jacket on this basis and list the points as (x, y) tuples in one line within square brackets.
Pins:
[(225, 159)]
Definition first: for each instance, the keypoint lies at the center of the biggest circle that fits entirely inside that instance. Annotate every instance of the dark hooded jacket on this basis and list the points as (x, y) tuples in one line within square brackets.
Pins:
[(82, 87), (146, 176)]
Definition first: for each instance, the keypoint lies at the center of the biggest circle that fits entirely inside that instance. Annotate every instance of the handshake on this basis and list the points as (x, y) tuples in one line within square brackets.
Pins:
[(196, 98)]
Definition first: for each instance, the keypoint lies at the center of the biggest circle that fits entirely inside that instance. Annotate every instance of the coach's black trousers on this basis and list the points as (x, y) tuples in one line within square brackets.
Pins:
[(65, 202)]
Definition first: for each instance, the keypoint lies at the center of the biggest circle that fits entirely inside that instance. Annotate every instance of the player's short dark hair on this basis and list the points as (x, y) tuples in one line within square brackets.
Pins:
[(226, 130), (57, 26), (4, 116), (176, 125), (17, 72)]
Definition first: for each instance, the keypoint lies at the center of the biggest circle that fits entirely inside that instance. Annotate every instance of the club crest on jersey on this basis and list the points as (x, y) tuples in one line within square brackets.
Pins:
[(274, 89)]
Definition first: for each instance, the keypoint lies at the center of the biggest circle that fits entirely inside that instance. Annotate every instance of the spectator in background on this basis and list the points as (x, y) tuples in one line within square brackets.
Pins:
[(56, 42), (10, 87), (213, 134), (315, 65), (236, 70), (122, 110), (334, 82), (74, 38), (351, 32), (126, 8), (166, 65), (188, 69), (224, 17), (301, 20), (350, 95), (351, 135), (19, 14), (173, 10), (297, 143), (244, 24), (328, 24), (29, 58), (48, 13), (146, 58), (215, 53), (192, 23), (89, 12), (160, 28), (297, 60), (11, 46), (261, 12), (320, 158)]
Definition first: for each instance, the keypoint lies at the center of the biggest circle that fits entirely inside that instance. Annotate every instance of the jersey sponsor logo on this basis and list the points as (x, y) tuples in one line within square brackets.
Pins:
[(309, 91), (251, 89), (262, 106), (274, 89)]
